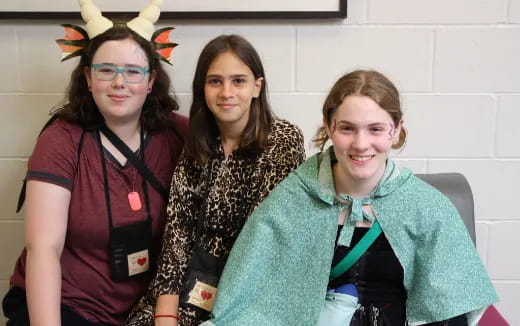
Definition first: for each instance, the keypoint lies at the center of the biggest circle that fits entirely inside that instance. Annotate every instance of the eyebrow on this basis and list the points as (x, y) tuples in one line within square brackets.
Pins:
[(370, 124), (220, 76), (131, 65)]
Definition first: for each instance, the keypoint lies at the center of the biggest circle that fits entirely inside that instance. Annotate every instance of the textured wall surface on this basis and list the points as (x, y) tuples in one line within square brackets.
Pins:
[(453, 60)]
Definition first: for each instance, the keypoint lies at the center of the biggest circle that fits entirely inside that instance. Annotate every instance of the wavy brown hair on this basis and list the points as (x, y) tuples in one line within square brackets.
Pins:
[(203, 132), (368, 83), (79, 104)]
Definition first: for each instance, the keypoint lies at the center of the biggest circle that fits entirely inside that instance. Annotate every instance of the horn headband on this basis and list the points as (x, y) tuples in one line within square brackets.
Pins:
[(76, 38)]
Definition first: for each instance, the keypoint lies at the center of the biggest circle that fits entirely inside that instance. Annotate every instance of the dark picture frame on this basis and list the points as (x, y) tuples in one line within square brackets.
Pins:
[(269, 13)]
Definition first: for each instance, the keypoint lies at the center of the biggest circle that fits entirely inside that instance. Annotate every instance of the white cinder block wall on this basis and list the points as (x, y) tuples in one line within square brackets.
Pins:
[(455, 62)]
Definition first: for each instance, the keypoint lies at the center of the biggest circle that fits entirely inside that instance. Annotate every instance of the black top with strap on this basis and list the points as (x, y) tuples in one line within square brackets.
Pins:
[(378, 277)]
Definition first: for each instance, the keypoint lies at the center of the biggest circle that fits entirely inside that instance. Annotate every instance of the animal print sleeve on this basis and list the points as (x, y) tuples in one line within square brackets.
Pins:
[(180, 230), (284, 154)]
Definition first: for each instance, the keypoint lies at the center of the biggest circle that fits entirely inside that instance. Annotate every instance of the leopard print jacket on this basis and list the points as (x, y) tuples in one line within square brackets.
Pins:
[(238, 183)]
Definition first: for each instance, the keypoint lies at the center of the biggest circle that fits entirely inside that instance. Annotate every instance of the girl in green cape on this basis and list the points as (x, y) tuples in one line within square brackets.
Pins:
[(421, 270)]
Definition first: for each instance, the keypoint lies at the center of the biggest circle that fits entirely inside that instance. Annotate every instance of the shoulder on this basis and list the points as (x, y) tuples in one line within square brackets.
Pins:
[(417, 210), (60, 126), (180, 122), (187, 168), (426, 199), (421, 189), (175, 133), (55, 154), (59, 135), (285, 144), (285, 132), (284, 137)]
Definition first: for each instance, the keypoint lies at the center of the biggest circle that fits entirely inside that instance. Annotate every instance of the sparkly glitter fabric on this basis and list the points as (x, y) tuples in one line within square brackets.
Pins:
[(278, 270)]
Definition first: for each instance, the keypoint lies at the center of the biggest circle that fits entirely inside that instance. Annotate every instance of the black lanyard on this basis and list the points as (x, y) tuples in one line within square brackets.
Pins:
[(105, 180), (138, 163)]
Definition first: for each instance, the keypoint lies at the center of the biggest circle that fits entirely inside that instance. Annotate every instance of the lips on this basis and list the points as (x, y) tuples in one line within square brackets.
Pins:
[(361, 159), (226, 106), (118, 98)]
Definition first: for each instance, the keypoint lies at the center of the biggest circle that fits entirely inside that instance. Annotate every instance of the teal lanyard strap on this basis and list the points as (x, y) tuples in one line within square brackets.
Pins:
[(356, 252)]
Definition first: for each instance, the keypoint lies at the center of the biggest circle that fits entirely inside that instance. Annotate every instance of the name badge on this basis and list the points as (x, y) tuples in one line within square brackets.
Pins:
[(138, 262), (202, 295)]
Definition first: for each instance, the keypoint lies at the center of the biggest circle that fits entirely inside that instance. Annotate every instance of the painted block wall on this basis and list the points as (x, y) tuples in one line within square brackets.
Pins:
[(455, 62)]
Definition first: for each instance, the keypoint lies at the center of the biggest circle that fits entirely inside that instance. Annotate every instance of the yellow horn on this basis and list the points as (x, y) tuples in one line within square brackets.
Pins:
[(96, 23), (143, 24)]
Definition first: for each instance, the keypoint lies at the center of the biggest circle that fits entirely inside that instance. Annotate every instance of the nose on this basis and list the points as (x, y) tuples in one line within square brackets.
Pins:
[(227, 90), (118, 80), (361, 141)]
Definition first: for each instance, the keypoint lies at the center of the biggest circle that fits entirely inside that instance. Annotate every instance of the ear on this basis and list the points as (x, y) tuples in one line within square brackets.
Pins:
[(397, 132), (327, 128), (86, 72), (258, 86), (153, 73)]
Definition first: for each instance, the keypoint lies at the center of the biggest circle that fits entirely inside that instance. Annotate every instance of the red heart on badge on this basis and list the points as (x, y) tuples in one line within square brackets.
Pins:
[(205, 295), (141, 261)]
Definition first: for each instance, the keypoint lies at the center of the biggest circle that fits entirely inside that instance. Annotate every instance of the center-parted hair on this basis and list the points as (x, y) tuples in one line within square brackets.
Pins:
[(204, 131), (367, 83)]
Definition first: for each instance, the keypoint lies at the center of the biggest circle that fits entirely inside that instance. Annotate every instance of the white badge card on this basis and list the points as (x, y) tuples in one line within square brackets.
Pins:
[(202, 295), (138, 262)]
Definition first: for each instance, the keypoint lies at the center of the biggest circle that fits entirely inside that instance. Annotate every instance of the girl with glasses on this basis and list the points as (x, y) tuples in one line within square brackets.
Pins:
[(93, 219)]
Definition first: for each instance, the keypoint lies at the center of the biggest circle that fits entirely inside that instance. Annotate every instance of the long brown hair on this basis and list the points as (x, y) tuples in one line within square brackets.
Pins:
[(79, 104), (204, 131), (368, 83)]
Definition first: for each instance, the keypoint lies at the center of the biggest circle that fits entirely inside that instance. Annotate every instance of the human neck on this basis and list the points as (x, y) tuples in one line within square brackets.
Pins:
[(230, 138), (360, 188), (129, 133)]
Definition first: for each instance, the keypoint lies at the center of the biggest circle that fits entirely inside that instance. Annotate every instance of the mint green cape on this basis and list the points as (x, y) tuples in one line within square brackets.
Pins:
[(278, 270)]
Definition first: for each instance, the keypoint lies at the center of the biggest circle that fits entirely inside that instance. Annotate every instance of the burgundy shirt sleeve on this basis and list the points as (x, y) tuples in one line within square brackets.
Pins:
[(55, 154), (181, 123)]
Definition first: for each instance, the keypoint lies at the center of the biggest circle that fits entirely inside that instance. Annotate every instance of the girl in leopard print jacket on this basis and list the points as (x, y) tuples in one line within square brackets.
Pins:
[(235, 154)]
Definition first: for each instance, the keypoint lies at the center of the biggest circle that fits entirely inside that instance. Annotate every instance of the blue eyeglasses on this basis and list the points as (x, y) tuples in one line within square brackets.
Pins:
[(107, 72)]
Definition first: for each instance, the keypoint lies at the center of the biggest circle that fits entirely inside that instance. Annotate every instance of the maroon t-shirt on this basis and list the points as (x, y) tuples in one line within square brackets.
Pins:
[(86, 283)]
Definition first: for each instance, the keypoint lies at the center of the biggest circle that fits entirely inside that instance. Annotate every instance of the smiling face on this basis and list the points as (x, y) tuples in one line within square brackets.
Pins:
[(117, 100), (362, 134), (229, 89)]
